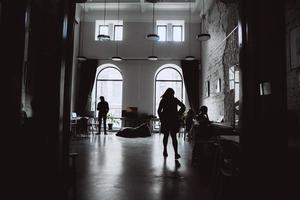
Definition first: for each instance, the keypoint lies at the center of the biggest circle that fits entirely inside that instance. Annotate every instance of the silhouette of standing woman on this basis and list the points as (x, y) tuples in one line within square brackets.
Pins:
[(170, 119)]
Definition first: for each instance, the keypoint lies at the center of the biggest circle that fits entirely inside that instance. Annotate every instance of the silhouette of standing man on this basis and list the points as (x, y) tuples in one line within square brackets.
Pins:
[(103, 109), (170, 119)]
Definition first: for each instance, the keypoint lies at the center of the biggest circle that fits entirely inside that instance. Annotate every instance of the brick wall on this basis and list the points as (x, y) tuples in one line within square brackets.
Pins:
[(218, 55), (293, 75)]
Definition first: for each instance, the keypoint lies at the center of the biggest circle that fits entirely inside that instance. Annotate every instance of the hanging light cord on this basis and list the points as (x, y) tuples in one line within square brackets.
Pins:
[(81, 29), (203, 17), (190, 14), (152, 52), (104, 11), (117, 42), (153, 8), (153, 20), (118, 11)]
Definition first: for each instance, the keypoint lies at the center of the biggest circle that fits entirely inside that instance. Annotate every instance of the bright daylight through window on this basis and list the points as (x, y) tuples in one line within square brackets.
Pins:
[(113, 28), (170, 30)]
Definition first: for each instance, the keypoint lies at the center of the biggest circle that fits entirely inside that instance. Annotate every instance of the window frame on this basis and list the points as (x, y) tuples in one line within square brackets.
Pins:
[(167, 80), (169, 32), (110, 30), (181, 33), (106, 80), (231, 80), (99, 32), (166, 32), (117, 25)]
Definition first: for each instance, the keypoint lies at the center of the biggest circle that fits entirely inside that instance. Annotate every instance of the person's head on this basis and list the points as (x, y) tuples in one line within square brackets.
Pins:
[(203, 109), (102, 98), (169, 93)]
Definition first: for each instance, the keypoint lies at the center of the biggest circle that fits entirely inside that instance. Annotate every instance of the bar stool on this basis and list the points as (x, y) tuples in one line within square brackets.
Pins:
[(226, 171)]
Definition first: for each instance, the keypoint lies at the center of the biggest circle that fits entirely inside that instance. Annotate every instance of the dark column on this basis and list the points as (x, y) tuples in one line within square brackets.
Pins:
[(12, 39), (263, 112), (36, 155)]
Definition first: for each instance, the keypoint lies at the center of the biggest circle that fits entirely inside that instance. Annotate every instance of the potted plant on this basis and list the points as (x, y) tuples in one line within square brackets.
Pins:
[(111, 119)]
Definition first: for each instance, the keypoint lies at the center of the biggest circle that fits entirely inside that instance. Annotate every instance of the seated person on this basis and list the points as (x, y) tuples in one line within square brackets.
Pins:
[(141, 131), (202, 131), (202, 124)]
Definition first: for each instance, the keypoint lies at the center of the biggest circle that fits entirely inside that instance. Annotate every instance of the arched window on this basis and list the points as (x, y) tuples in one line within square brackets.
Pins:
[(108, 83), (168, 76)]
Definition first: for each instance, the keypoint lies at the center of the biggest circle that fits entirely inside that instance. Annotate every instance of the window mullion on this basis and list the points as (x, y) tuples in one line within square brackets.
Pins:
[(169, 32)]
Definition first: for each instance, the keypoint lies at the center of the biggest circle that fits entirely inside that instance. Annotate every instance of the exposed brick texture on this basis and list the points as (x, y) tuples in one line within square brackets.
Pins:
[(293, 75), (218, 55)]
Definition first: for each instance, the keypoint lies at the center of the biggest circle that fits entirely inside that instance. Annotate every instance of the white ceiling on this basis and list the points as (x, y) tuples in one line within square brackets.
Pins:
[(144, 6)]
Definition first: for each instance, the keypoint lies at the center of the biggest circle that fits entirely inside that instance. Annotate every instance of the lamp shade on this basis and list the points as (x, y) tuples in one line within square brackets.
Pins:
[(103, 37), (81, 58), (203, 36), (189, 58), (116, 58), (152, 58), (153, 37)]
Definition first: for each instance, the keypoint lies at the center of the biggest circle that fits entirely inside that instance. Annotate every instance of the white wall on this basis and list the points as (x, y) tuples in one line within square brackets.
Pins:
[(138, 83), (138, 73), (134, 44)]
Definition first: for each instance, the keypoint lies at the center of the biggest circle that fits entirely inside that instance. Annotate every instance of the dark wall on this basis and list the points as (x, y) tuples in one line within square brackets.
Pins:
[(36, 152), (293, 74), (263, 116)]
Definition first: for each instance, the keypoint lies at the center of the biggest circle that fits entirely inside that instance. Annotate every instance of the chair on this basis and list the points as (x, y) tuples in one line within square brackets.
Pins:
[(92, 125), (73, 124), (205, 150), (83, 126), (203, 140), (227, 171)]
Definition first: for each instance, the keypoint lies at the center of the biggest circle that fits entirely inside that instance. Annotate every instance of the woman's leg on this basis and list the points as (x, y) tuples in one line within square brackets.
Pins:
[(165, 143), (175, 144)]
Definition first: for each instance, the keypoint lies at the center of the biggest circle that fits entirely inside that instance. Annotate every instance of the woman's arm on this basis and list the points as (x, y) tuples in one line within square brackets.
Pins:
[(182, 107), (159, 110)]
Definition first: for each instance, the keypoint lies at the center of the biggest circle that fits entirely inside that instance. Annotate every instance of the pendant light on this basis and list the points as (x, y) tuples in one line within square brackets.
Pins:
[(152, 57), (117, 57), (190, 57), (103, 37), (80, 57), (204, 36), (153, 36)]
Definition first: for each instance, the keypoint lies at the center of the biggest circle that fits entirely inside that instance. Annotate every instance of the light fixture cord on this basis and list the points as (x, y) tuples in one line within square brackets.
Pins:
[(81, 29), (190, 14), (153, 8), (152, 52), (117, 42), (153, 14), (203, 17), (104, 11)]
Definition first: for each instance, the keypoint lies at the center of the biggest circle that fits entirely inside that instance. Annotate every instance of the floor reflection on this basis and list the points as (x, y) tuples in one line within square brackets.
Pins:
[(115, 168)]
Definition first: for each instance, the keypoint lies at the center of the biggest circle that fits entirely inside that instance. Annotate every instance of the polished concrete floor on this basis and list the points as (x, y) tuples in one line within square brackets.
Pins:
[(114, 168)]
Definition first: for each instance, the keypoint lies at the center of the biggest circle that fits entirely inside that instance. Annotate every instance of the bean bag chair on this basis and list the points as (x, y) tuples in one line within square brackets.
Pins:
[(141, 131)]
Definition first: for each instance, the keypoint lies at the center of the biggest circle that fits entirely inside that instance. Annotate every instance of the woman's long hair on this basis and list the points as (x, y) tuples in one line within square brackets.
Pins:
[(169, 93)]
